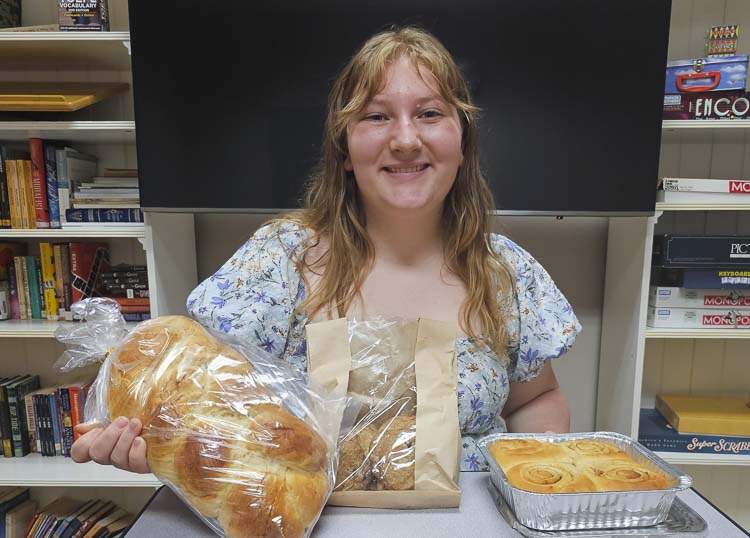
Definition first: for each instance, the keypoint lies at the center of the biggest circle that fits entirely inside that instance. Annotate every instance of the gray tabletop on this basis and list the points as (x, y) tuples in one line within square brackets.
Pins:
[(167, 517)]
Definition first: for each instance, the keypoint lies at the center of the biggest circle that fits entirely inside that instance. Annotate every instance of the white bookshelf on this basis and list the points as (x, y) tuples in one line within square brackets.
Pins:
[(697, 333), (81, 132), (165, 243), (36, 470), (136, 231), (703, 207), (704, 131), (35, 328), (61, 50)]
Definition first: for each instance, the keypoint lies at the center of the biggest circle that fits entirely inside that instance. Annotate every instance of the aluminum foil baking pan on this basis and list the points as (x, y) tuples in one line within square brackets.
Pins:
[(599, 510), (681, 520)]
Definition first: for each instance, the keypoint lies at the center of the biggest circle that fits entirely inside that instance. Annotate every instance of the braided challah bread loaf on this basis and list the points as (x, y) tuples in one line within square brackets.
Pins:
[(217, 432)]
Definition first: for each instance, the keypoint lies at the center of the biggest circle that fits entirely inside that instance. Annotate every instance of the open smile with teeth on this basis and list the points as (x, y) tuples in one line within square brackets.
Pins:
[(406, 170)]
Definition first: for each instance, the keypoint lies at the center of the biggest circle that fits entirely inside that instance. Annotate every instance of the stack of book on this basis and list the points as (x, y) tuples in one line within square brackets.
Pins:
[(85, 519), (700, 282), (703, 191), (110, 198), (50, 186), (43, 421), (16, 511), (45, 286), (128, 285)]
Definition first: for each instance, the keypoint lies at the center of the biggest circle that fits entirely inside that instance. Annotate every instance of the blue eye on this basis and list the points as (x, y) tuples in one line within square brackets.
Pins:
[(431, 114)]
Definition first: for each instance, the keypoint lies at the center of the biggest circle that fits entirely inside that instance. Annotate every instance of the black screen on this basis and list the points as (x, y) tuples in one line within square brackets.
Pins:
[(230, 95)]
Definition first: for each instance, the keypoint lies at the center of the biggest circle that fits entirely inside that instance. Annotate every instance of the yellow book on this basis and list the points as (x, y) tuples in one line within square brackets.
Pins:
[(48, 280), (14, 195), (706, 414), (28, 183), (22, 194)]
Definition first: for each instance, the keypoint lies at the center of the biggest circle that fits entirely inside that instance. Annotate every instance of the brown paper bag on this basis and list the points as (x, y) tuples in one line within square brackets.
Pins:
[(405, 446)]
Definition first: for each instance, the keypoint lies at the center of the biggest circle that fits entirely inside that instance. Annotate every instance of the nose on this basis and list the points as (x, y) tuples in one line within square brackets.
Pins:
[(405, 137)]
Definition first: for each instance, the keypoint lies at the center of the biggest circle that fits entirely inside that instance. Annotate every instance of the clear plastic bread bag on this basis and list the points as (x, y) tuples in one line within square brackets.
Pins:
[(378, 452), (241, 437)]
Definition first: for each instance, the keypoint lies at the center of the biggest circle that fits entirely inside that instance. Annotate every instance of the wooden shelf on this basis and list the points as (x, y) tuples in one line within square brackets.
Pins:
[(660, 206), (65, 50), (89, 132), (95, 230), (704, 131), (680, 458), (36, 328), (36, 470), (697, 333)]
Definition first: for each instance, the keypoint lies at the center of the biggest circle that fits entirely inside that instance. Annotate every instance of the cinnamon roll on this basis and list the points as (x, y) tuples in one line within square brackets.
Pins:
[(510, 452), (626, 475), (549, 477)]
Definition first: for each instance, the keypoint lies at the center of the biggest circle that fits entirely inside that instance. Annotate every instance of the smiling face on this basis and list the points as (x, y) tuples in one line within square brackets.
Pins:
[(405, 145)]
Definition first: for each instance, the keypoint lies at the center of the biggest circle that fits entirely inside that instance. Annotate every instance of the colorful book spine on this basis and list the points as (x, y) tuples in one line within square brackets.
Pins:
[(20, 427), (31, 421), (34, 291), (55, 421), (48, 280), (76, 410), (66, 420), (39, 183), (16, 222), (4, 192), (26, 287), (104, 215), (28, 181), (63, 186), (15, 307), (23, 205), (50, 174)]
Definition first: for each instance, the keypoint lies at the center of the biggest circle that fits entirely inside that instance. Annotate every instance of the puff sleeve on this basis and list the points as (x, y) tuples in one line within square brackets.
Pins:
[(545, 326), (253, 295)]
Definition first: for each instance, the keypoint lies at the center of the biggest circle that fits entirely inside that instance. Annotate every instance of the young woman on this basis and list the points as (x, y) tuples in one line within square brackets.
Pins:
[(396, 223)]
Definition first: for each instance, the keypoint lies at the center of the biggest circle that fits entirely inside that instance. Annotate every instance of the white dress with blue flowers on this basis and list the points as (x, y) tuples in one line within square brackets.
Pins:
[(254, 294)]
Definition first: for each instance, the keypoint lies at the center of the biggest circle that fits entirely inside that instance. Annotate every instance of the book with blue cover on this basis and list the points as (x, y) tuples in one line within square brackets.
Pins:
[(656, 434)]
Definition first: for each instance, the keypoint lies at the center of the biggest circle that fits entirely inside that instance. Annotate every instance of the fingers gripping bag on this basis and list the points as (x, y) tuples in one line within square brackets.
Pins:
[(241, 437), (404, 448)]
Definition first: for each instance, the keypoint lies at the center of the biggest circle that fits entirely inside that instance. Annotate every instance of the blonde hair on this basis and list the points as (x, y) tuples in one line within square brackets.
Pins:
[(332, 208)]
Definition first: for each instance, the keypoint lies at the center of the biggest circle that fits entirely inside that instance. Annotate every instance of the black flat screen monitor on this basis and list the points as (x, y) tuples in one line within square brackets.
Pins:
[(230, 96)]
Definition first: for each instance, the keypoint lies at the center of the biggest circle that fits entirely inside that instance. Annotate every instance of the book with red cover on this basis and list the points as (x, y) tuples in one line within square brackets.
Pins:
[(39, 183), (87, 261)]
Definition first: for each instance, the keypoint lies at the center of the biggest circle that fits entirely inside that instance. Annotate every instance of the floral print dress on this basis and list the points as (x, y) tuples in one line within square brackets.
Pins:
[(253, 296)]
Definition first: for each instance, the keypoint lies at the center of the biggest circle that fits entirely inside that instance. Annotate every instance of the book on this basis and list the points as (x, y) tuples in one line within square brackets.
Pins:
[(4, 192), (728, 186), (48, 280), (86, 520), (52, 514), (143, 279), (39, 183), (655, 433), (72, 166), (116, 514), (15, 310), (9, 501), (16, 403), (83, 16), (34, 291), (31, 420), (64, 524), (6, 434), (54, 419), (87, 261), (63, 274), (17, 519), (66, 419), (50, 173), (104, 214), (28, 185), (14, 202)]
